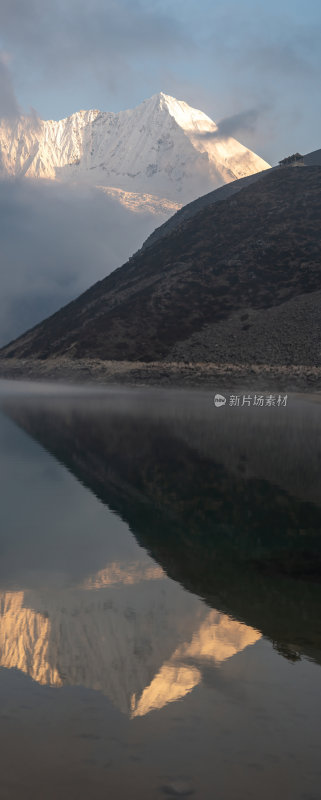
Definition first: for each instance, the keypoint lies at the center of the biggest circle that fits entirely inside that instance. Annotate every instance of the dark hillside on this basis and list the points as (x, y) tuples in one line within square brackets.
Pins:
[(251, 258)]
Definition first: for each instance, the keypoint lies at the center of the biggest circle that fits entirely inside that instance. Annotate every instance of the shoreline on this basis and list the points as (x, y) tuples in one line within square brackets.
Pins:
[(257, 377)]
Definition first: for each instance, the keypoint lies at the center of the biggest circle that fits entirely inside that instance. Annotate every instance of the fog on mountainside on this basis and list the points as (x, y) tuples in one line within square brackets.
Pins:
[(57, 240)]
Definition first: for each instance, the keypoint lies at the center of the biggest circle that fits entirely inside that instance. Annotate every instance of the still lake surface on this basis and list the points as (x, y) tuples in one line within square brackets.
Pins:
[(160, 596)]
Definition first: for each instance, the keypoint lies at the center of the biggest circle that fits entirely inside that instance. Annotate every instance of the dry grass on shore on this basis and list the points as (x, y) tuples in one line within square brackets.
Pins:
[(258, 377)]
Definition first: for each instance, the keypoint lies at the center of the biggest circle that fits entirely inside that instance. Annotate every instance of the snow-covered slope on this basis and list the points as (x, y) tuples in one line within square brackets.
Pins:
[(158, 148)]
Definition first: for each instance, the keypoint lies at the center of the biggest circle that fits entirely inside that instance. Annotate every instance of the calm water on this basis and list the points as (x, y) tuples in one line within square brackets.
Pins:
[(160, 596)]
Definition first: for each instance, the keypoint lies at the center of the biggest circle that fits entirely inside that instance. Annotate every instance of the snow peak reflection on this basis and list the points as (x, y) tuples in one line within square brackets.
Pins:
[(251, 400)]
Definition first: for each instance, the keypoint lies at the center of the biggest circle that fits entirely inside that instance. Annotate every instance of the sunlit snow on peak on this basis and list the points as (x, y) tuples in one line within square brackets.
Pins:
[(154, 149)]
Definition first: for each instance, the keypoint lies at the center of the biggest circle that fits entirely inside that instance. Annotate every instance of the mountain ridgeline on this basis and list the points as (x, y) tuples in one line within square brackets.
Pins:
[(162, 147), (239, 282)]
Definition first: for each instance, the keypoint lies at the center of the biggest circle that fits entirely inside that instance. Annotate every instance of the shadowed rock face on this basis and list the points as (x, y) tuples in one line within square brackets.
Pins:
[(222, 193), (189, 211), (254, 256), (229, 509)]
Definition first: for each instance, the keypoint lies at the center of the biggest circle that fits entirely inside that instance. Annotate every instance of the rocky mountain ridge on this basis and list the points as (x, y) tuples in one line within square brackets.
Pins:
[(160, 148)]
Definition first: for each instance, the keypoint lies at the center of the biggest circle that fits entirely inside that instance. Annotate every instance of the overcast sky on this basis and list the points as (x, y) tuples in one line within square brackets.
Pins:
[(254, 60)]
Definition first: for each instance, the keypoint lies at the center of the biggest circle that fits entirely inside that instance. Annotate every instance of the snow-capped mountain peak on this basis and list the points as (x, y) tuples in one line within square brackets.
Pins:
[(188, 118), (156, 148)]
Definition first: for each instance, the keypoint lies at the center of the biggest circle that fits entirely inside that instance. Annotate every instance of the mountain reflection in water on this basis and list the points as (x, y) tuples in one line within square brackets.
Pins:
[(227, 501), (143, 646)]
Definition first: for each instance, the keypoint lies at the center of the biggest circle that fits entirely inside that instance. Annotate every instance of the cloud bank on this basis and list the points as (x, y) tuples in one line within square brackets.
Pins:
[(244, 121), (55, 242)]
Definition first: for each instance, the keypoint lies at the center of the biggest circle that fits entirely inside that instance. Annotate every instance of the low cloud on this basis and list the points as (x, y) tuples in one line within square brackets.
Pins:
[(56, 242), (9, 108), (245, 121)]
